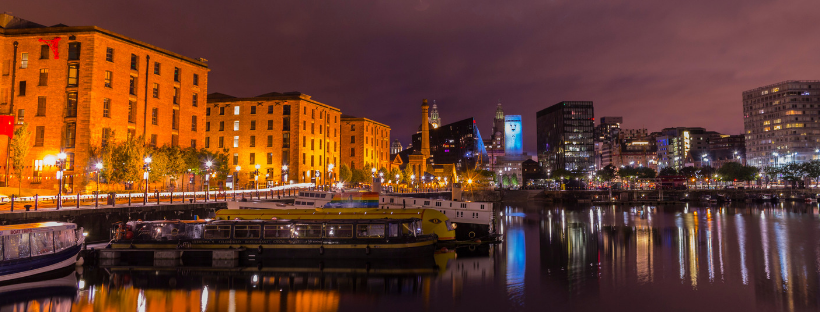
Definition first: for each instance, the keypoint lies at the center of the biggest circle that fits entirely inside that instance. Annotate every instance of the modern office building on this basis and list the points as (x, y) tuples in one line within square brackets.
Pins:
[(458, 143), (608, 129), (80, 87), (781, 122), (290, 135), (365, 143), (684, 146), (565, 136)]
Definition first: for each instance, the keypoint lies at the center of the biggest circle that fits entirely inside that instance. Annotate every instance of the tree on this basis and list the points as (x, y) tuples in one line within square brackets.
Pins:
[(689, 172), (19, 148), (405, 175), (344, 173), (514, 180), (645, 173), (360, 176), (607, 173), (393, 173), (505, 180), (122, 161), (668, 171)]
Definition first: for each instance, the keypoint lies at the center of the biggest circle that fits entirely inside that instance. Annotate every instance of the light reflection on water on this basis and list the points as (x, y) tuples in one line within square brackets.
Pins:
[(688, 257)]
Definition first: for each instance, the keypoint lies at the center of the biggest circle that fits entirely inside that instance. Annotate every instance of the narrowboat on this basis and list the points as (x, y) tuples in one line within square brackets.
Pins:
[(433, 222), (471, 220), (276, 239), (33, 249)]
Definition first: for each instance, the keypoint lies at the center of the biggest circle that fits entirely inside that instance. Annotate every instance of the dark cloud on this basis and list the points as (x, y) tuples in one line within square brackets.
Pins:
[(657, 63)]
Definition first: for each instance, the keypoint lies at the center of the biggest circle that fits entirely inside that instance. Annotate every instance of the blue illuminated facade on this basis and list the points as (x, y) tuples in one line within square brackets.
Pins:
[(513, 138)]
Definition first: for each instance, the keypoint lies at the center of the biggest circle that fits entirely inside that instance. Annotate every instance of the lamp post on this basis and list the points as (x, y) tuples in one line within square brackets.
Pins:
[(284, 174), (412, 180), (146, 166), (60, 166), (208, 165), (99, 167), (256, 176), (330, 175), (236, 180)]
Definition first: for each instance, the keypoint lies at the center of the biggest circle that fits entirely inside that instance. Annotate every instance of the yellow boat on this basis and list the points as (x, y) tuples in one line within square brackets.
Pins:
[(433, 221)]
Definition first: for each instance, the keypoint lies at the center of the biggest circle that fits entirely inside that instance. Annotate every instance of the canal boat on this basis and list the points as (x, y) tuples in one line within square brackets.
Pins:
[(34, 249), (276, 238), (471, 220), (432, 221)]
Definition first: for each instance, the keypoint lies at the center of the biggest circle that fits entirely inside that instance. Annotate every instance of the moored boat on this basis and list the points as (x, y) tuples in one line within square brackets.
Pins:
[(432, 221), (32, 249), (276, 239)]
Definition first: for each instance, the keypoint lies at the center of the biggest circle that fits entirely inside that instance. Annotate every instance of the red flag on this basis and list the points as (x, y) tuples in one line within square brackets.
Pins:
[(7, 125)]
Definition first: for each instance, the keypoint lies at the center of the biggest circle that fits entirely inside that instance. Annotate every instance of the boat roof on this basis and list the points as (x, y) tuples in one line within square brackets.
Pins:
[(15, 229), (282, 221)]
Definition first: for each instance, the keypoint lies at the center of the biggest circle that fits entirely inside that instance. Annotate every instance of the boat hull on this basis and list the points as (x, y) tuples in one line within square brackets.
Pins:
[(262, 251), (33, 266)]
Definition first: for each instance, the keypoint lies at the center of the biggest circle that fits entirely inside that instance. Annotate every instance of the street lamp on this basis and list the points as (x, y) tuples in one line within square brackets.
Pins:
[(146, 167), (412, 179), (99, 167), (330, 175), (236, 179), (208, 165), (256, 176), (60, 166), (284, 174)]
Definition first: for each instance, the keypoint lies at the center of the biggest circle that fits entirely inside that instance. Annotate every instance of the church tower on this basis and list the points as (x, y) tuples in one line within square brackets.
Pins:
[(435, 120), (425, 130), (498, 124)]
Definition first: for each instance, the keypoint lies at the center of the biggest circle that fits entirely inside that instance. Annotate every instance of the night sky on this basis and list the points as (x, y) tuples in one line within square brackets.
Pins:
[(656, 63)]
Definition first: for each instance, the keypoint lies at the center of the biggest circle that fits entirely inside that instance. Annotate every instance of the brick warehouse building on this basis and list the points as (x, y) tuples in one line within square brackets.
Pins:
[(273, 130), (366, 142), (80, 87)]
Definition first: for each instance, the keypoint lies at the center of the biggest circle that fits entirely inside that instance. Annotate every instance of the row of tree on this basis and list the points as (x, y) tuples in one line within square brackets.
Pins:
[(124, 162)]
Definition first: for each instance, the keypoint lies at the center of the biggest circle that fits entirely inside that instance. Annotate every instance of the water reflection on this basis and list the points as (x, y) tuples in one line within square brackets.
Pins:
[(688, 257)]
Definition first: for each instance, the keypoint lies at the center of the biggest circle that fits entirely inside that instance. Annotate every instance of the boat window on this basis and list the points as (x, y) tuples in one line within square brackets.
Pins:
[(339, 230), (217, 231), (42, 243), (277, 231), (16, 246), (193, 231), (407, 229), (427, 203), (417, 226), (246, 231), (64, 239), (370, 230), (393, 230), (324, 195), (307, 231), (312, 195)]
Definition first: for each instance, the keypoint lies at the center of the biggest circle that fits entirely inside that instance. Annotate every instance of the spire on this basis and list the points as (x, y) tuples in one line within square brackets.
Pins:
[(499, 112), (434, 117)]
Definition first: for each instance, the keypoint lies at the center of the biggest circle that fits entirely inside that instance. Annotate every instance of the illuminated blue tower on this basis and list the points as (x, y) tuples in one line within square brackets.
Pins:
[(513, 138)]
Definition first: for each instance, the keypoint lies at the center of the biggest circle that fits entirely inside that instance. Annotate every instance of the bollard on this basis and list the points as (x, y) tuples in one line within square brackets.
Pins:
[(129, 199), (78, 199), (96, 199), (157, 192), (172, 197), (36, 201), (12, 203)]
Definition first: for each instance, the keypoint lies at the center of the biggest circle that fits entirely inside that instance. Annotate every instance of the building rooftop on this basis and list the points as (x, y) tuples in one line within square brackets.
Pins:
[(12, 25)]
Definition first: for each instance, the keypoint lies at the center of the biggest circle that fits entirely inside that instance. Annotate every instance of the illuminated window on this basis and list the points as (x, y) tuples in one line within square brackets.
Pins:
[(775, 90)]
